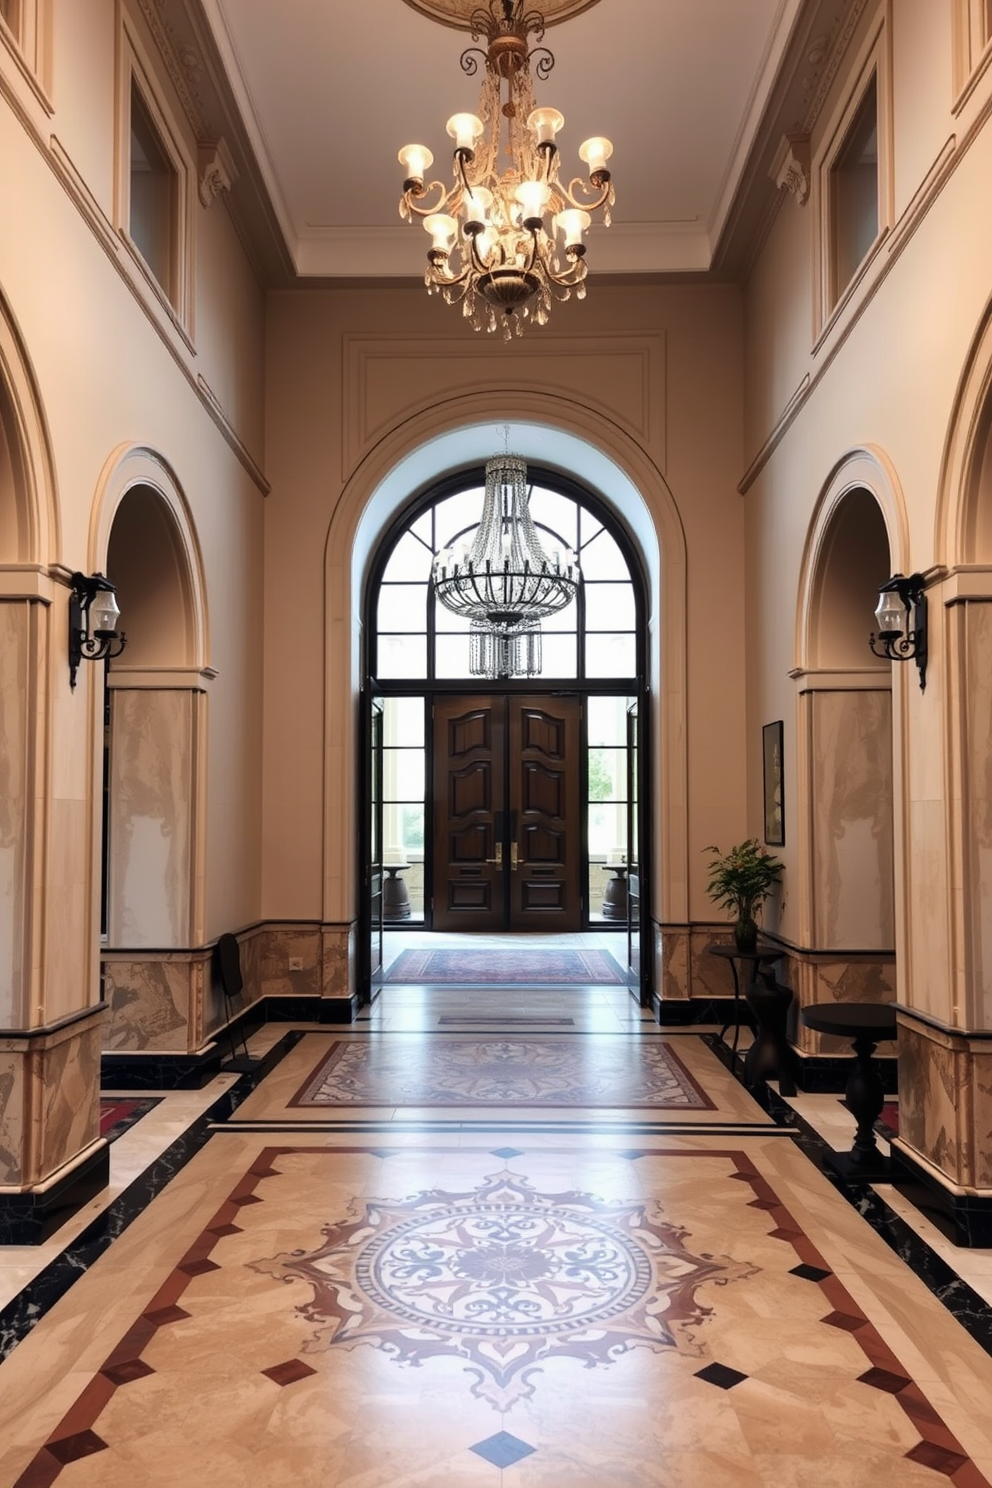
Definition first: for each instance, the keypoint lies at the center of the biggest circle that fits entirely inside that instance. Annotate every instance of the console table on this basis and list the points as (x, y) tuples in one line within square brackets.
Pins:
[(866, 1024), (752, 959)]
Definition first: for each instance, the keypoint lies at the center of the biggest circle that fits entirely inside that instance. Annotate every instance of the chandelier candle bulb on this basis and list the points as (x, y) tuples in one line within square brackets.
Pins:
[(416, 160), (546, 122), (533, 197), (595, 153), (444, 230), (572, 224), (465, 129)]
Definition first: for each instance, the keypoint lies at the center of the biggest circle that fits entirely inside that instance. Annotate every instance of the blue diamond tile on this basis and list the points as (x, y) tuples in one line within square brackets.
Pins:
[(502, 1450), (507, 1152)]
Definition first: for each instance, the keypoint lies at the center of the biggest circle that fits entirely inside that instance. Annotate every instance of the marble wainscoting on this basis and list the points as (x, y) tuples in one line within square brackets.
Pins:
[(155, 1000), (51, 1152), (828, 977), (299, 959), (945, 1121), (339, 965)]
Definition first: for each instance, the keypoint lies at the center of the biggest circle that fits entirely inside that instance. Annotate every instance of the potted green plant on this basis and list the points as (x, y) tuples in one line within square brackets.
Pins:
[(741, 880)]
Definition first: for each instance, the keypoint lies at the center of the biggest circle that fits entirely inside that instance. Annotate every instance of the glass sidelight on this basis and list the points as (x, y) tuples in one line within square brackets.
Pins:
[(607, 808)]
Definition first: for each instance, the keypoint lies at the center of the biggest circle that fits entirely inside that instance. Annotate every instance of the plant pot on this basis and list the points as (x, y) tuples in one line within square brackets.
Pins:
[(745, 933)]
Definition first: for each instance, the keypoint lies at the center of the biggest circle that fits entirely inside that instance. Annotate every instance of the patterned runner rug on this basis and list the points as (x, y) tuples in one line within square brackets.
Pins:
[(515, 968), (503, 1072)]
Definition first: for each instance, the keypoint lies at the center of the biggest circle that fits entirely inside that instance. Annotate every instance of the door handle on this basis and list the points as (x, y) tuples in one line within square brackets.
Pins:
[(514, 857), (498, 859)]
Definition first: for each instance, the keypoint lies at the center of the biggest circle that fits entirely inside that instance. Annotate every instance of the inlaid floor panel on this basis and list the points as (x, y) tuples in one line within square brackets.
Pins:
[(537, 1075), (312, 1309)]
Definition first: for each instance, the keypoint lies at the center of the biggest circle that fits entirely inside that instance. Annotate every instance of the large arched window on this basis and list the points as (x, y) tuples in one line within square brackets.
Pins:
[(418, 653), (597, 638)]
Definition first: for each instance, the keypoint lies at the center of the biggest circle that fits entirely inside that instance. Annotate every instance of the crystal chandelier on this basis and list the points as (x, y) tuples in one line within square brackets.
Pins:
[(507, 237), (503, 580)]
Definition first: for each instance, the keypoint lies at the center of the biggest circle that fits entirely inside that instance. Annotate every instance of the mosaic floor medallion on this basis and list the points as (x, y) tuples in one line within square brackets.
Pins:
[(502, 1072), (504, 1278)]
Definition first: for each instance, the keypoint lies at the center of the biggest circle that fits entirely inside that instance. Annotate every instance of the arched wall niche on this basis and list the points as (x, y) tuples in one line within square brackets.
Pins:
[(853, 563), (847, 766), (29, 525), (446, 438), (143, 538), (857, 538), (963, 525)]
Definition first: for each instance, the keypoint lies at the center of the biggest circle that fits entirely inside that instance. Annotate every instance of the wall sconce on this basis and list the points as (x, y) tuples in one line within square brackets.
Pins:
[(902, 639), (93, 616)]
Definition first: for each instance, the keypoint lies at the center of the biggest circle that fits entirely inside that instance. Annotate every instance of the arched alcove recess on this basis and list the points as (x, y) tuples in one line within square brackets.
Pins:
[(143, 538), (451, 435), (845, 767), (29, 521), (961, 615)]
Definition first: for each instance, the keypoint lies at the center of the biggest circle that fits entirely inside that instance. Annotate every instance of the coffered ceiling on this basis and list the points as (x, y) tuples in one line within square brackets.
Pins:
[(328, 90)]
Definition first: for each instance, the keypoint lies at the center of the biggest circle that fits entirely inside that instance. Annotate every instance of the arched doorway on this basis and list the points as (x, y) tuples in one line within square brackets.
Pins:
[(511, 804)]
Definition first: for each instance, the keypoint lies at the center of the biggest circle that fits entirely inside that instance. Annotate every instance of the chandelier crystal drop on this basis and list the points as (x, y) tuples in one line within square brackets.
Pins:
[(507, 238), (502, 579)]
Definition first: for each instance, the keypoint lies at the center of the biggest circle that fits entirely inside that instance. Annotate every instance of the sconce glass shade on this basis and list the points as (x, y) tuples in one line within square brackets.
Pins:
[(104, 613), (891, 616)]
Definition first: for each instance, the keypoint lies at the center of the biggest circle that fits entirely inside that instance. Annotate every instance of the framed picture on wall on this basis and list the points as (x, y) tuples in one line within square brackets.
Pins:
[(771, 753)]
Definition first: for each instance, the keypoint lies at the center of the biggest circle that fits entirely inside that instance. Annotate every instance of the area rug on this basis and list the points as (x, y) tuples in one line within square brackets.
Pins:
[(506, 1072), (119, 1113), (516, 968)]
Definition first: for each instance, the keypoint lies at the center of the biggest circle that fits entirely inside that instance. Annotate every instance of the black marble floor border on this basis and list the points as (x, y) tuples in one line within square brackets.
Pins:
[(31, 1304), (526, 1128), (938, 1276)]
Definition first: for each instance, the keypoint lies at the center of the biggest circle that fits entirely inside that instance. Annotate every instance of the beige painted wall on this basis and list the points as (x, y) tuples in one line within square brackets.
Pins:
[(654, 370), (884, 376), (111, 371)]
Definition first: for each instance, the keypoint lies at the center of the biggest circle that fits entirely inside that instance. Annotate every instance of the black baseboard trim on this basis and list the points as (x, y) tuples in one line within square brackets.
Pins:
[(162, 1071), (134, 1071), (818, 1075), (966, 1219), (30, 1218), (679, 1012), (339, 1009)]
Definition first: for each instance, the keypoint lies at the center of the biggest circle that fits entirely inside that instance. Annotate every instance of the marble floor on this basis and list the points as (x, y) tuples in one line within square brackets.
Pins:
[(508, 1237)]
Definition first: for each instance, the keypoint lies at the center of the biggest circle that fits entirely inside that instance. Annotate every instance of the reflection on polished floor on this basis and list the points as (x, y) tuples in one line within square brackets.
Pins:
[(424, 1251)]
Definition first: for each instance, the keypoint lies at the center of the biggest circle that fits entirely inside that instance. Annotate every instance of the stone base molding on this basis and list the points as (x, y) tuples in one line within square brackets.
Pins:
[(945, 1112), (167, 1008)]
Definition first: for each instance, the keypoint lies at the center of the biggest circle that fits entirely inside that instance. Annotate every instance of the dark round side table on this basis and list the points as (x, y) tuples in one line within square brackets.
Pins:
[(395, 895), (752, 960), (866, 1024), (615, 892)]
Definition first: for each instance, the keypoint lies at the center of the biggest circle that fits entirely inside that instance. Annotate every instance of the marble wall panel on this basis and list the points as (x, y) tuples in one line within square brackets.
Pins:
[(282, 943), (672, 962), (339, 971), (150, 1004), (709, 976), (69, 926), (852, 795), (151, 804), (12, 1122), (816, 979), (71, 1099), (934, 1099), (976, 805), (14, 774)]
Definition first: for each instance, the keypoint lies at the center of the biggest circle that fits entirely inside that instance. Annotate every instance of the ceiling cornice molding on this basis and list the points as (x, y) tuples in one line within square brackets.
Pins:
[(185, 42), (809, 67)]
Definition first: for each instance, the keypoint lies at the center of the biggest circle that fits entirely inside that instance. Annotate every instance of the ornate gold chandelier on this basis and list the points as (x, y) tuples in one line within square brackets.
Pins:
[(507, 238)]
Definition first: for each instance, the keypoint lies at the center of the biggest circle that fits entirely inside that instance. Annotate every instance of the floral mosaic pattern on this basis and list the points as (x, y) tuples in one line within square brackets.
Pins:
[(502, 1072), (504, 1278)]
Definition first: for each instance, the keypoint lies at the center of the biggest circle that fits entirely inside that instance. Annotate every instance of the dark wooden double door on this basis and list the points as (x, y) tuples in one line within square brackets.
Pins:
[(507, 834)]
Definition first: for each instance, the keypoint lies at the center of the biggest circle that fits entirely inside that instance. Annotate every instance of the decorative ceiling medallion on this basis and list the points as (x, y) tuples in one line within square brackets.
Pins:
[(458, 13), (504, 1279)]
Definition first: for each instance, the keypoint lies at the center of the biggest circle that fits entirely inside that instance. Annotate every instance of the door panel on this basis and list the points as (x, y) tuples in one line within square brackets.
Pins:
[(469, 770), (543, 790), (506, 822)]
